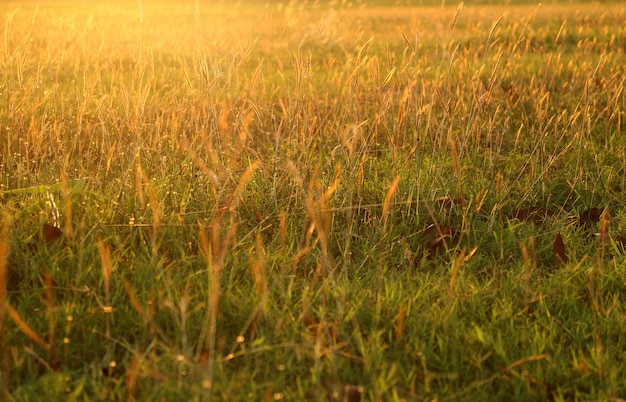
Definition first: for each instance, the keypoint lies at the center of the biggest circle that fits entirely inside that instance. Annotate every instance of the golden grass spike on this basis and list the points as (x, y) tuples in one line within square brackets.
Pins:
[(558, 34), (246, 54), (407, 42), (139, 181), (258, 74), (388, 78), (523, 30), (156, 210), (233, 202), (605, 220), (457, 14), (7, 29), (133, 300), (333, 186), (460, 260), (470, 255), (25, 328), (205, 246), (184, 68), (453, 57), (131, 377), (105, 258), (440, 98), (145, 315), (365, 47), (295, 173), (258, 267), (493, 30), (388, 197)]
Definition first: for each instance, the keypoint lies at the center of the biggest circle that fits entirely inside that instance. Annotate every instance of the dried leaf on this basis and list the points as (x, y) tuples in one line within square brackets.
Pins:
[(48, 234), (536, 215), (345, 393), (558, 248), (388, 197), (589, 217), (111, 370), (448, 202), (352, 393), (440, 231), (439, 236)]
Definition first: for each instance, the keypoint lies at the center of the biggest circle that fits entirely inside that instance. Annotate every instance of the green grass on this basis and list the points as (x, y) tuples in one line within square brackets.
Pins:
[(255, 201)]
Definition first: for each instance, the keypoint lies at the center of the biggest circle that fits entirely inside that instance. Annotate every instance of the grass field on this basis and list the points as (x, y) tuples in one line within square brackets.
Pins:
[(312, 201)]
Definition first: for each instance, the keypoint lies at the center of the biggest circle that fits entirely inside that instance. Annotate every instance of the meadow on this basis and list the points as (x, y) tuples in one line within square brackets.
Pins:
[(350, 201)]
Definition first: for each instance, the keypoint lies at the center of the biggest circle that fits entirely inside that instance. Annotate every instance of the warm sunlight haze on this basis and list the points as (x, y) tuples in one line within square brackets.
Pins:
[(266, 200)]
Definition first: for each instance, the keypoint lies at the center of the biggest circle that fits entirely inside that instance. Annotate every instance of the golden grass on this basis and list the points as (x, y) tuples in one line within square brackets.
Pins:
[(261, 175)]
